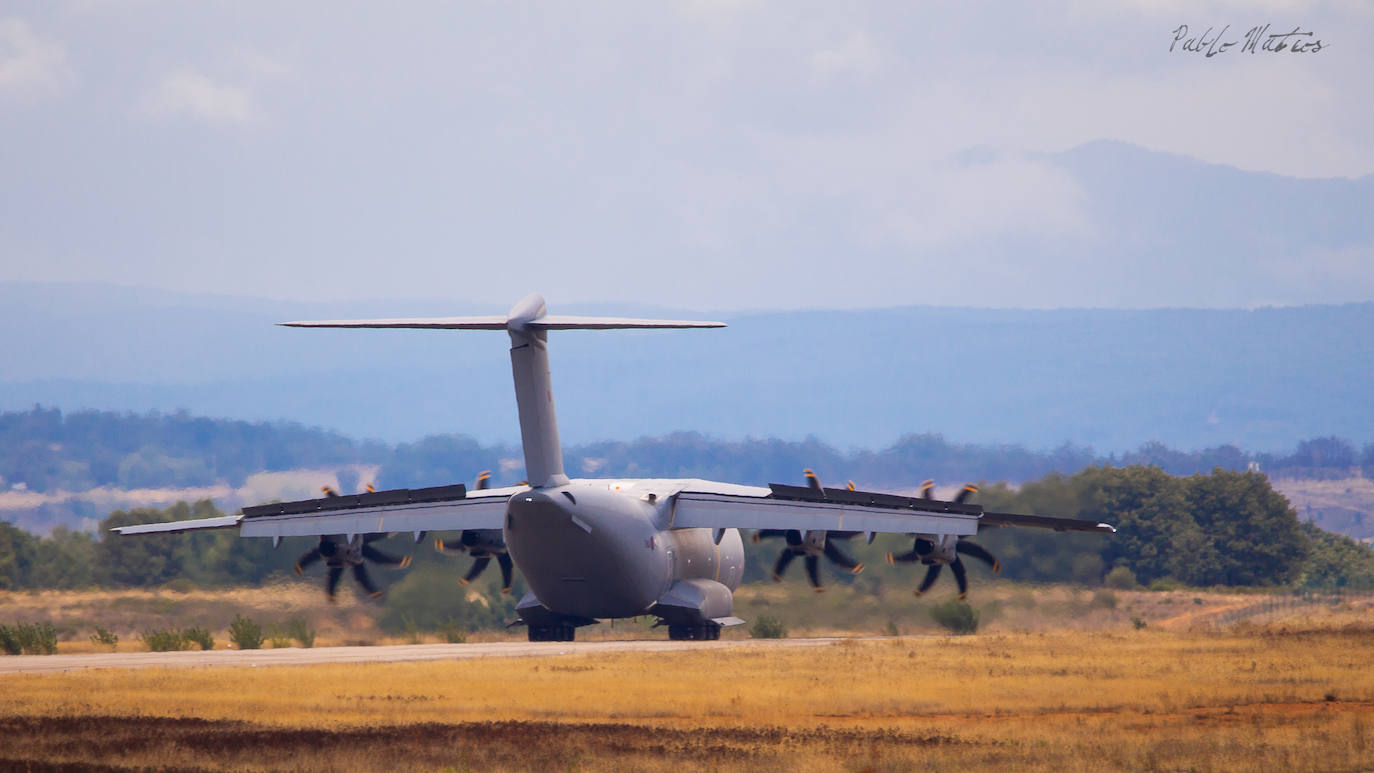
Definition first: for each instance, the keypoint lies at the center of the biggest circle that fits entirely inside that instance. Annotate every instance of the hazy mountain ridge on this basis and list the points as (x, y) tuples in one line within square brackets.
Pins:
[(1261, 378)]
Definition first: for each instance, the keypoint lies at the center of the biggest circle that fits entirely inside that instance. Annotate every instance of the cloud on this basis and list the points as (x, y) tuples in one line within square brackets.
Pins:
[(229, 98), (30, 64)]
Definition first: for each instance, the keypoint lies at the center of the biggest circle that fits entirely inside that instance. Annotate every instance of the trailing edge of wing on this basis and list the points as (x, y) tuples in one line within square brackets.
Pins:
[(1045, 522), (219, 522), (417, 323)]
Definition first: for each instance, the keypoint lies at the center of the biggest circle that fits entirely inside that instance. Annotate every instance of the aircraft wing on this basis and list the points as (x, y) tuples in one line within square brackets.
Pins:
[(723, 506), (442, 508)]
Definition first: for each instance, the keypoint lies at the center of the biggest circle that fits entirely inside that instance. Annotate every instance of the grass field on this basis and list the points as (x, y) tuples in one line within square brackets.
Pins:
[(1005, 608), (1290, 695)]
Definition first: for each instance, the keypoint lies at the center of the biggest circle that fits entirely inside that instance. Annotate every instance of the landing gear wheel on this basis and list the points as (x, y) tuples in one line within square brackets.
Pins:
[(552, 633), (708, 632)]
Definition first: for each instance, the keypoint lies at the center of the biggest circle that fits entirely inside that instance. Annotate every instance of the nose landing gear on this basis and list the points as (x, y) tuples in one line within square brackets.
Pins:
[(708, 632), (552, 632)]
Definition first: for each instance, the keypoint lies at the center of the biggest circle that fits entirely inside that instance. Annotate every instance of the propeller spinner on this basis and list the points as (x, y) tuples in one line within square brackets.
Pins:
[(340, 552), (937, 555), (811, 545), (483, 545)]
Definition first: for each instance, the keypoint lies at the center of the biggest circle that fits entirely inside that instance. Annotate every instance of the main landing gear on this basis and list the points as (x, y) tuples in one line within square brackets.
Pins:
[(552, 632), (708, 632)]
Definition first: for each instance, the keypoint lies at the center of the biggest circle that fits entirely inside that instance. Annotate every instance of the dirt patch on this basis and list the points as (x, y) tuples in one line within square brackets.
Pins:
[(57, 743)]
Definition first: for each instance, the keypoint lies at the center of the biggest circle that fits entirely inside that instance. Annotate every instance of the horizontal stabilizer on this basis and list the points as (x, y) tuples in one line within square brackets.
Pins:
[(417, 323), (547, 322), (562, 322)]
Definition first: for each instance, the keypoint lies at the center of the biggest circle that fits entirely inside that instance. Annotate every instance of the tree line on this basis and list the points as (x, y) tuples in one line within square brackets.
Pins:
[(1224, 528), (44, 449)]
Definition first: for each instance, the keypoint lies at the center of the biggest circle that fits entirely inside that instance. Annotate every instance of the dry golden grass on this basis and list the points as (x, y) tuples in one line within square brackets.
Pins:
[(1299, 697)]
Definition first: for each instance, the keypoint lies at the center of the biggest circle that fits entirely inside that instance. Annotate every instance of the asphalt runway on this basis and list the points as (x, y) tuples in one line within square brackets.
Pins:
[(294, 656)]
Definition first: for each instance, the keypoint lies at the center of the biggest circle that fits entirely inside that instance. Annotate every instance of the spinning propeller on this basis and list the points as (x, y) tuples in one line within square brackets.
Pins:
[(935, 555), (482, 544), (812, 545), (340, 552)]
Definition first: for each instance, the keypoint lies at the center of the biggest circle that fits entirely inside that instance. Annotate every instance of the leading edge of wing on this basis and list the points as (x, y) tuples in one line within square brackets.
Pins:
[(218, 522)]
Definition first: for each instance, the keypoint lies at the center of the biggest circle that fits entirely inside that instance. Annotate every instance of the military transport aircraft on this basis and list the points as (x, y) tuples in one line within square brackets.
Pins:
[(593, 549)]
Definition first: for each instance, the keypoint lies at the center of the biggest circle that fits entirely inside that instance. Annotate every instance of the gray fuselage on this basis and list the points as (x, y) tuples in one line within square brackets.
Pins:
[(589, 550)]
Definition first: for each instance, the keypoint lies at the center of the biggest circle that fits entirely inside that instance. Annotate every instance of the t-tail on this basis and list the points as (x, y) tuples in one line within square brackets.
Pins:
[(528, 324)]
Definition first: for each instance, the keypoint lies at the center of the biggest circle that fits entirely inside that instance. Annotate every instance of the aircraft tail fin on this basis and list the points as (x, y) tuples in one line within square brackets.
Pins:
[(528, 325)]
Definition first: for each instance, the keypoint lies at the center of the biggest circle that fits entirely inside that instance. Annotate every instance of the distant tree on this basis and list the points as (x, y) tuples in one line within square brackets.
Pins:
[(1323, 452), (1252, 531), (1367, 460), (63, 559), (16, 556), (1148, 509), (153, 559), (1335, 560)]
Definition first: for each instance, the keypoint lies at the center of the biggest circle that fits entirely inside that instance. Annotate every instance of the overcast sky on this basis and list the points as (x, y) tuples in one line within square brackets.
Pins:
[(710, 155)]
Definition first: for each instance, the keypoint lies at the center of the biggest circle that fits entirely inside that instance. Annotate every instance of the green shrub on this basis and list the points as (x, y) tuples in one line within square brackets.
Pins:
[(245, 634), (767, 627), (300, 630), (891, 629), (9, 640), (1104, 599), (955, 616), (453, 634), (1138, 622), (279, 637), (105, 638), (1165, 584), (38, 638), (1121, 578), (164, 640), (199, 636), (28, 639)]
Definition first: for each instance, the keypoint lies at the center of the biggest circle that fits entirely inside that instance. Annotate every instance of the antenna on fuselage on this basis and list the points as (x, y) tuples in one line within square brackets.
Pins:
[(528, 324)]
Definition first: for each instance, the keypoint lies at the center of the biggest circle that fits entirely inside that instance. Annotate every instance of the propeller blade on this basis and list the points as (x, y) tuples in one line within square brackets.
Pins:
[(928, 489), (371, 489), (960, 576), (483, 480), (931, 574), (979, 552), (328, 491), (964, 493), (784, 558), (307, 558), (908, 557), (455, 545), (364, 579), (813, 572), (503, 560), (331, 585), (768, 533), (851, 486), (813, 482), (476, 569), (386, 559), (840, 558)]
